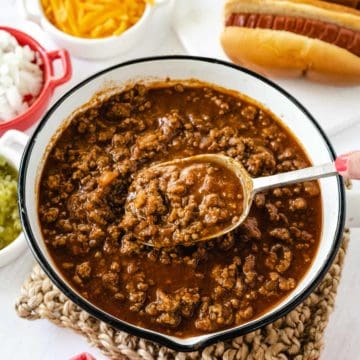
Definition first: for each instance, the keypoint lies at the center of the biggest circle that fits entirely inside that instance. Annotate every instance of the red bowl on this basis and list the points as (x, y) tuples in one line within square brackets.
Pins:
[(50, 81)]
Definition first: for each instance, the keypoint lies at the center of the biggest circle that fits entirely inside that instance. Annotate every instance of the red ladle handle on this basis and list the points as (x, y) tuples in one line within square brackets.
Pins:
[(348, 165)]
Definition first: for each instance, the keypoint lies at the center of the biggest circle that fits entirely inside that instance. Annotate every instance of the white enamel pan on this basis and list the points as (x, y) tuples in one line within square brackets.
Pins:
[(288, 109)]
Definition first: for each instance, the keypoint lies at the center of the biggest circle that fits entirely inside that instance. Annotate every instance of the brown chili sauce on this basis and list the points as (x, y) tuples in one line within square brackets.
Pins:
[(182, 203), (94, 165)]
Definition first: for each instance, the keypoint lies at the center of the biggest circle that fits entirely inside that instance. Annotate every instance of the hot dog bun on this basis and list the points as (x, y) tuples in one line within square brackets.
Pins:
[(287, 54)]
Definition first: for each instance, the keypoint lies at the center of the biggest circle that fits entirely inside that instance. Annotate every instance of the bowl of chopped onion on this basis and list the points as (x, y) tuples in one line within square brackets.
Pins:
[(27, 78), (93, 29)]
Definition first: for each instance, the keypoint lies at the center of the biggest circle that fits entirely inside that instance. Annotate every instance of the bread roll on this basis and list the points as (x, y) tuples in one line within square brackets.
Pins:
[(286, 53)]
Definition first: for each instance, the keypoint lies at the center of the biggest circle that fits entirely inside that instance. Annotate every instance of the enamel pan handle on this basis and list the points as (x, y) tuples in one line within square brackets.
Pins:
[(348, 165), (353, 208), (12, 145)]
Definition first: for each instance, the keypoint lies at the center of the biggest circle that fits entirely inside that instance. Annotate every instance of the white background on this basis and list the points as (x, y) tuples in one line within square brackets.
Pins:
[(41, 340)]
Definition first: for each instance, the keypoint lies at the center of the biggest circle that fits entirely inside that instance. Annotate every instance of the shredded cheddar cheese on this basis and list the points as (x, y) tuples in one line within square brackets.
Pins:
[(94, 18)]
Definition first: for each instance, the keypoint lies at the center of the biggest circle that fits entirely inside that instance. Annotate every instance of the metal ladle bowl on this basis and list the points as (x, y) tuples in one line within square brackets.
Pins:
[(251, 186)]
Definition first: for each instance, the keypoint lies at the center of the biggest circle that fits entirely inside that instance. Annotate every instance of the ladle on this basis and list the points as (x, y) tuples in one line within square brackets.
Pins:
[(348, 165)]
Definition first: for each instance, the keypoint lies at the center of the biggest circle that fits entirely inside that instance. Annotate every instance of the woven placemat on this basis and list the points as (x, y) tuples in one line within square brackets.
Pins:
[(298, 335)]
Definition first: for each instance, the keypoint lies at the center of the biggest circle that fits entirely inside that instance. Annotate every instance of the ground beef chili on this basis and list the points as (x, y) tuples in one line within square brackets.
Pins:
[(181, 291), (182, 203)]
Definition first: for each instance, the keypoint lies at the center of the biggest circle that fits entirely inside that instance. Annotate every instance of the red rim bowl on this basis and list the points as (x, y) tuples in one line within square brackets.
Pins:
[(50, 81)]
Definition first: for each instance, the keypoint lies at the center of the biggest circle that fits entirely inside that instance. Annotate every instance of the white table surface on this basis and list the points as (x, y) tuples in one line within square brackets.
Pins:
[(41, 340)]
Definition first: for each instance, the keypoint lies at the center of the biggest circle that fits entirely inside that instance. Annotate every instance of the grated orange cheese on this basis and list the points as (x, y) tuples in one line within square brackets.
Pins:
[(94, 18)]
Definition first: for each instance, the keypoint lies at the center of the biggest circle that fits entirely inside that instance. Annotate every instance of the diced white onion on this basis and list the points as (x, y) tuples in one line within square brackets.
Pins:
[(20, 76)]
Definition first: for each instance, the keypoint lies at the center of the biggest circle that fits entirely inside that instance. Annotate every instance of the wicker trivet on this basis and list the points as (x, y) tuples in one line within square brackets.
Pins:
[(298, 336)]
